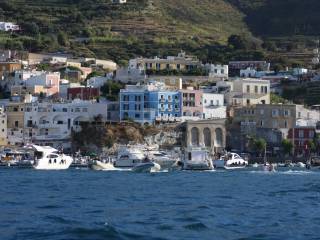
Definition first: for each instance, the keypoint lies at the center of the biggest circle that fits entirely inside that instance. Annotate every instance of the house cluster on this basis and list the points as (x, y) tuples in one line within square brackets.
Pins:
[(9, 27), (46, 107)]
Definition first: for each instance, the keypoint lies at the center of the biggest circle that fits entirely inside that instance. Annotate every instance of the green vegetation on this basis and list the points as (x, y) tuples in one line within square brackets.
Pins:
[(287, 146), (276, 99), (259, 145), (111, 90), (214, 30)]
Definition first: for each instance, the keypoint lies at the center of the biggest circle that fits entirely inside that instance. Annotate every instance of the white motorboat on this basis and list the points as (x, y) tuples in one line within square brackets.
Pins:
[(196, 158), (48, 158), (146, 167), (301, 165), (230, 161), (165, 160), (268, 167), (255, 165), (129, 156)]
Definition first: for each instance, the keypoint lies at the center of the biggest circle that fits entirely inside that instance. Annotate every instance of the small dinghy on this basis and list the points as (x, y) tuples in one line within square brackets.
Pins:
[(101, 166)]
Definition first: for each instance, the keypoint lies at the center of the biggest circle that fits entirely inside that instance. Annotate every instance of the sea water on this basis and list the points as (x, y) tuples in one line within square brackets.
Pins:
[(85, 204)]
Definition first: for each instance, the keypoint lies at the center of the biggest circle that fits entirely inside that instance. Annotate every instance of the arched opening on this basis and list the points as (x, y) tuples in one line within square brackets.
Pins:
[(59, 119), (43, 120), (219, 137), (195, 136), (207, 137)]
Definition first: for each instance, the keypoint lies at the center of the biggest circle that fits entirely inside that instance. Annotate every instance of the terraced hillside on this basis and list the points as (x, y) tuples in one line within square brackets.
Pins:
[(152, 27), (140, 26)]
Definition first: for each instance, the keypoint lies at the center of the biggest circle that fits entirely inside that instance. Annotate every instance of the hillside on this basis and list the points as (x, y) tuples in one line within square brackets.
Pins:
[(153, 27), (281, 17)]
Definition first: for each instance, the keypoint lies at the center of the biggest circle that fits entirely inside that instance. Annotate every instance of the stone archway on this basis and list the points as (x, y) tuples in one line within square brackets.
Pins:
[(219, 137), (207, 137), (195, 136)]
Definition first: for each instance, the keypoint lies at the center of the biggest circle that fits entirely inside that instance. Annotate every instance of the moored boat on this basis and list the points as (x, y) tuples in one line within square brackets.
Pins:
[(146, 167), (196, 158), (230, 161), (48, 158)]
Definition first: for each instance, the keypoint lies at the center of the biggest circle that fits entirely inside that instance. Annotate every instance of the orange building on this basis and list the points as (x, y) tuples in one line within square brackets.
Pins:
[(8, 67)]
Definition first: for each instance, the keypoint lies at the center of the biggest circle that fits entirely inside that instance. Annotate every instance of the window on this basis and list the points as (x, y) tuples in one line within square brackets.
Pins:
[(59, 122), (265, 89), (301, 133), (137, 115), (256, 89), (211, 102), (222, 71), (311, 134), (248, 88), (16, 123), (275, 112), (287, 112), (248, 101), (77, 110), (285, 124), (178, 66), (261, 123), (85, 110)]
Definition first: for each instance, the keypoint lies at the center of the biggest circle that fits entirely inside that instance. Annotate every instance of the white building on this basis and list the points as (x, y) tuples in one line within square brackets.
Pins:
[(52, 123), (9, 26), (299, 71), (119, 1), (213, 106), (217, 71), (49, 80), (98, 82), (106, 64)]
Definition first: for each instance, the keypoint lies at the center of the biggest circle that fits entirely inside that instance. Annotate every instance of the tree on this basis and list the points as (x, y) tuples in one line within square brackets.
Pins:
[(236, 41), (260, 145), (287, 146), (63, 39), (31, 28)]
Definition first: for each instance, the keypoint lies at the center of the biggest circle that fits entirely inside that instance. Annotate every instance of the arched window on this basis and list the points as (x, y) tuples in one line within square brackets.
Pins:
[(207, 137), (219, 137), (195, 136)]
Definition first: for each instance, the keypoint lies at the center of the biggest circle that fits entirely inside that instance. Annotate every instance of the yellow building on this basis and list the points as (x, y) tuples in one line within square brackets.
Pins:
[(15, 123), (8, 67), (24, 90), (182, 62), (3, 127)]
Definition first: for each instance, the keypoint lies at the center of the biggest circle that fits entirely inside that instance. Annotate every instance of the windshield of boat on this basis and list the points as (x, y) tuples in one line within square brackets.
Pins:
[(38, 154)]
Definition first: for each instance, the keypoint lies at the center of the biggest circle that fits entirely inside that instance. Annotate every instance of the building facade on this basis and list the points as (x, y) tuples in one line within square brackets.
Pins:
[(182, 62), (3, 127), (191, 104), (248, 91), (213, 106)]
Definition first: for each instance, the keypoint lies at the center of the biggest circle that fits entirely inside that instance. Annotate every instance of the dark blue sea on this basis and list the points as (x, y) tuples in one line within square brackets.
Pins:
[(85, 204)]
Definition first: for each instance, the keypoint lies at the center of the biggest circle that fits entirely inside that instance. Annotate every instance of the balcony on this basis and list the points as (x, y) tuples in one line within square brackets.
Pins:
[(162, 100)]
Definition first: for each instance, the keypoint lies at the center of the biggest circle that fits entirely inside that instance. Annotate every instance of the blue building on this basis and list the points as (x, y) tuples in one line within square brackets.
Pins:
[(147, 104)]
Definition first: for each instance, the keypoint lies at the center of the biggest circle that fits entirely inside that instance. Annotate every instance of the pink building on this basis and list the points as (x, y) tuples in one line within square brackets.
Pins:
[(191, 103), (49, 81)]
